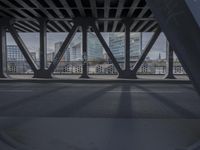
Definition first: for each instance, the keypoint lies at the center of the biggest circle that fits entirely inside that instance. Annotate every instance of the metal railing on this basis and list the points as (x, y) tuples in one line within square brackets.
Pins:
[(94, 68)]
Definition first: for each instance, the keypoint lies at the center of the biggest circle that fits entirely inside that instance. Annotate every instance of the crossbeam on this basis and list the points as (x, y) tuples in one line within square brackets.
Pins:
[(146, 51), (61, 51), (106, 47), (23, 48)]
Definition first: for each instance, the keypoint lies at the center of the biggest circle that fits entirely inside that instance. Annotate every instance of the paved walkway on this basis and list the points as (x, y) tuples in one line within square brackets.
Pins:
[(94, 78), (117, 116)]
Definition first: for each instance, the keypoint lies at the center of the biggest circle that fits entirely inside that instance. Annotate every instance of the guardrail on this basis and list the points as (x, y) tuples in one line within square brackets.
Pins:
[(94, 67)]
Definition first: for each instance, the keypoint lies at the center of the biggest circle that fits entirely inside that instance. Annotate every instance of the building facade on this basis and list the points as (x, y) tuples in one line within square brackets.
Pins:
[(16, 61), (95, 50), (66, 56), (117, 46)]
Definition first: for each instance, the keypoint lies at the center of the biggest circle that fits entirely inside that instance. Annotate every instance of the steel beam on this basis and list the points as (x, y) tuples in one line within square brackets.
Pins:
[(97, 19), (169, 64), (183, 33), (127, 24), (43, 43), (127, 74), (42, 72), (3, 53), (107, 49), (84, 53), (145, 52), (23, 48), (132, 8), (62, 49), (118, 14)]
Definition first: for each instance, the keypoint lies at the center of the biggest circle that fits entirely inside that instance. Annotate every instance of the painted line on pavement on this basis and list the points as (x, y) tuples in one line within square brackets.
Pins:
[(7, 90), (164, 92)]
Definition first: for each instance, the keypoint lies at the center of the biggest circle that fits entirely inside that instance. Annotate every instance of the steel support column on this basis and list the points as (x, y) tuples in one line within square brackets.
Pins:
[(107, 49), (43, 43), (145, 52), (3, 53), (127, 45), (23, 48), (127, 74), (169, 64), (183, 33), (84, 52), (43, 72), (62, 49)]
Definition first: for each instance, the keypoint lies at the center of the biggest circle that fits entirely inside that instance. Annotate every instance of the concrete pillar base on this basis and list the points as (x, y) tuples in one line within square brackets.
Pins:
[(169, 77), (42, 74), (127, 75), (84, 77), (3, 75)]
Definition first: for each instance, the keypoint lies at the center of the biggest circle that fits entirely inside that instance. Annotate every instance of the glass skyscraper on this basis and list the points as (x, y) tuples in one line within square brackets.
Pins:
[(95, 50), (117, 45)]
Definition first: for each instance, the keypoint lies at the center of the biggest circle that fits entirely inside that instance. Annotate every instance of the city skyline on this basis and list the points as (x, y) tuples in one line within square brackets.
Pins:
[(32, 42)]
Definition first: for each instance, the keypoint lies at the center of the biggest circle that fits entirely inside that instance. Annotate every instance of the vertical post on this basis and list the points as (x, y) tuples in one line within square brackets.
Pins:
[(127, 46), (43, 43), (3, 55), (169, 65), (43, 72), (84, 52)]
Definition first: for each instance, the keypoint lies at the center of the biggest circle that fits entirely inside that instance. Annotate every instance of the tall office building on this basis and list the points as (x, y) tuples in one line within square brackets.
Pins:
[(16, 60), (66, 56), (14, 53), (75, 48), (117, 45), (95, 50)]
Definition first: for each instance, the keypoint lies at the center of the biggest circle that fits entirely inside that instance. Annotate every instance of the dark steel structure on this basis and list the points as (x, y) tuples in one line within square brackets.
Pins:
[(102, 16)]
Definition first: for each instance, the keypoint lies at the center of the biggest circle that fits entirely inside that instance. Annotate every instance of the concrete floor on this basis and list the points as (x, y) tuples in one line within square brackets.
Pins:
[(115, 100), (40, 116)]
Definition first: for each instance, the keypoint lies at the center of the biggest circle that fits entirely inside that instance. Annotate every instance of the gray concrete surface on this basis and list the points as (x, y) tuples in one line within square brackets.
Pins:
[(101, 133), (117, 100), (49, 116)]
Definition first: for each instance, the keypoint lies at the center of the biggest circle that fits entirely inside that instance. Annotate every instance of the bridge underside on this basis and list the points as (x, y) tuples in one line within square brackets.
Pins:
[(126, 115), (102, 16)]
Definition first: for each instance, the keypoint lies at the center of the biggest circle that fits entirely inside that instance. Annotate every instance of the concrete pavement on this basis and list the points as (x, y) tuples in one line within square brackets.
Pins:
[(112, 116), (115, 100)]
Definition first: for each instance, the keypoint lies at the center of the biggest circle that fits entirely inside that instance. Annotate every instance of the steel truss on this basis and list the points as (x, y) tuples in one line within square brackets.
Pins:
[(79, 23)]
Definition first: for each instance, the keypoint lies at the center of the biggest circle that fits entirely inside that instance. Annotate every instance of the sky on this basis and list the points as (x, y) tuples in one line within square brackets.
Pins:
[(32, 42)]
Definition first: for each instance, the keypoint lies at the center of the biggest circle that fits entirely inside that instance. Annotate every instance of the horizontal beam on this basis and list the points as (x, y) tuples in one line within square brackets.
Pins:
[(97, 19)]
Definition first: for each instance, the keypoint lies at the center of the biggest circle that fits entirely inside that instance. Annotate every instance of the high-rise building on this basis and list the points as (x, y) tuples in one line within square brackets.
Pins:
[(95, 50), (50, 56), (66, 56), (16, 60), (76, 48), (117, 45), (14, 53)]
